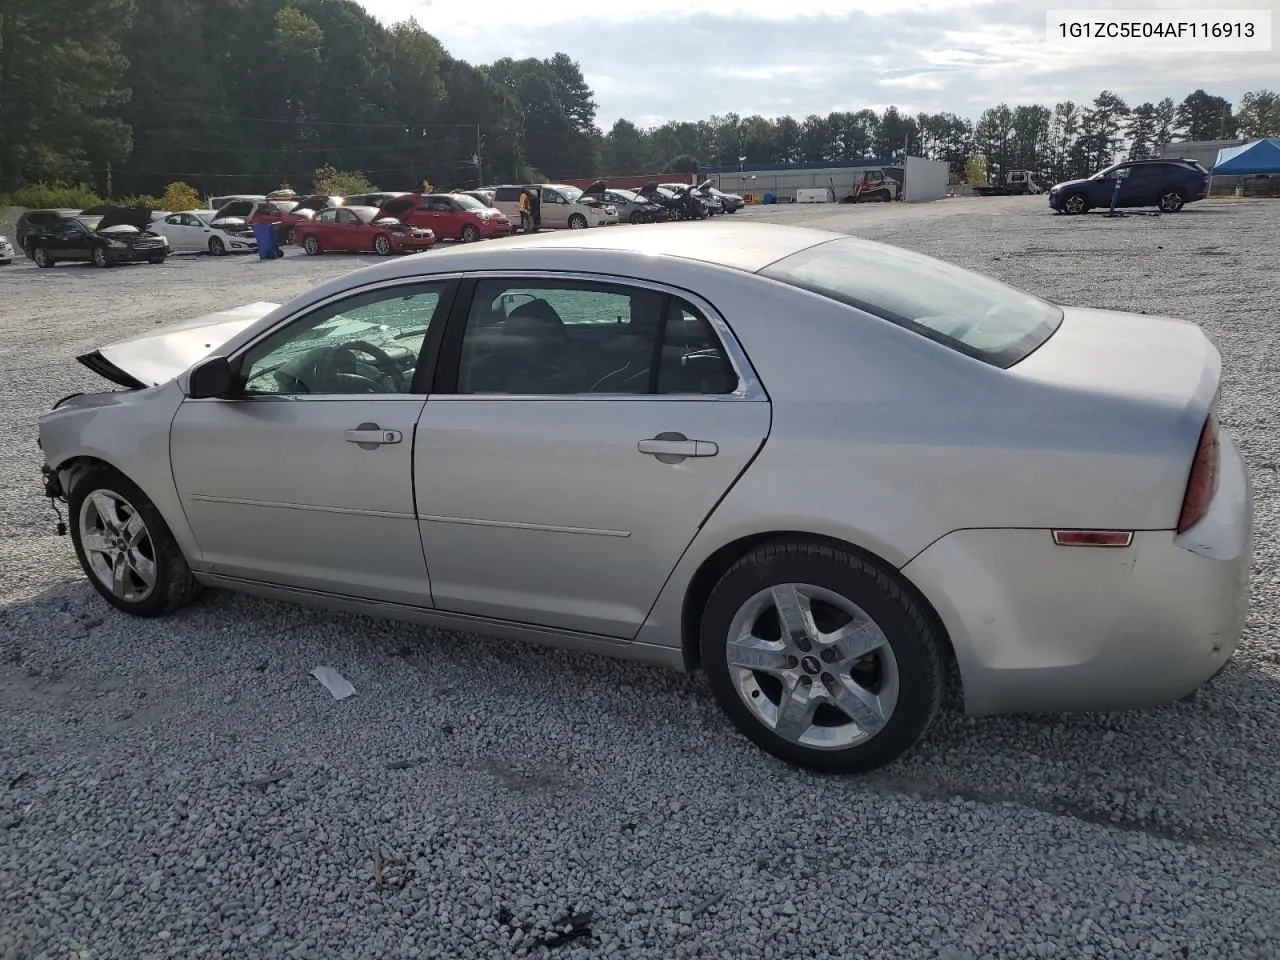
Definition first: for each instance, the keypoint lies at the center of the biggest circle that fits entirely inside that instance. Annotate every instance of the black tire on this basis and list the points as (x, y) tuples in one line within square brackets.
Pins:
[(578, 222), (41, 257), (382, 245), (157, 260), (636, 217), (98, 255), (469, 233), (216, 247), (1172, 201), (174, 584), (731, 210), (311, 246), (912, 644), (1074, 204)]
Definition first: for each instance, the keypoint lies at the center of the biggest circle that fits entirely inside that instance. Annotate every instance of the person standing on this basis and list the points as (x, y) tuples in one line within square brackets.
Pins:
[(526, 213)]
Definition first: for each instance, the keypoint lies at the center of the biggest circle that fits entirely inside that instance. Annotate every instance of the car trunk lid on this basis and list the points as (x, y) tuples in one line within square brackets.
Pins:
[(159, 356)]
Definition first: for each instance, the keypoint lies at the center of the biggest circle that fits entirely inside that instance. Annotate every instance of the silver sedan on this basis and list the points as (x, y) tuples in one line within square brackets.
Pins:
[(839, 477)]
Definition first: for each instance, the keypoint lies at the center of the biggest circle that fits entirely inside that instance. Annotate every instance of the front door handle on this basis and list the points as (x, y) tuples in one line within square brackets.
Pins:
[(370, 436), (674, 447)]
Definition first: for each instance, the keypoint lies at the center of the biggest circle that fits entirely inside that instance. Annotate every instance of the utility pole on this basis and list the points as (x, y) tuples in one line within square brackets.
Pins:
[(479, 166)]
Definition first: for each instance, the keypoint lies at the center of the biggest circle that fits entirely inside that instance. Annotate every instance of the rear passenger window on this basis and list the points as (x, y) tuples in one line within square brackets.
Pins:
[(568, 337), (507, 193)]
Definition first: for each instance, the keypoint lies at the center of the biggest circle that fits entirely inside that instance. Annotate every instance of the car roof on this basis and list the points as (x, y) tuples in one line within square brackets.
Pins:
[(741, 246)]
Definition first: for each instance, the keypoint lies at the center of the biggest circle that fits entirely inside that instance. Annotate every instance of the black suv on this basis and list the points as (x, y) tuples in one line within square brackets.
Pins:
[(104, 236), (30, 220), (1167, 184)]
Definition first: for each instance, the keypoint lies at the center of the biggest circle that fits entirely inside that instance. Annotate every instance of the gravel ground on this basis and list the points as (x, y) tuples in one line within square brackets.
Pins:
[(183, 787)]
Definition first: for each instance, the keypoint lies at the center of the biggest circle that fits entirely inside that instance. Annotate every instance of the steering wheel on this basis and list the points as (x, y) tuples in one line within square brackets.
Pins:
[(330, 364)]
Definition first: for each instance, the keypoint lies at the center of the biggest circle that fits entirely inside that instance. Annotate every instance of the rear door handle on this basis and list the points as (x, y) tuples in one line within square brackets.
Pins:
[(370, 435), (673, 447)]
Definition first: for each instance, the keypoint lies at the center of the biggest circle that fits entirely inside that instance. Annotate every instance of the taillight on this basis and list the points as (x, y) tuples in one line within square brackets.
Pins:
[(1202, 483)]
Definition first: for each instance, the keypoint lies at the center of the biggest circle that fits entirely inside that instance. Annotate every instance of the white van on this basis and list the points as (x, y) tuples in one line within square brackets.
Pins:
[(561, 205)]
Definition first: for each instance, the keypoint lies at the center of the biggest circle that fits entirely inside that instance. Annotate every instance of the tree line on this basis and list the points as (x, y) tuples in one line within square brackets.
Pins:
[(126, 96)]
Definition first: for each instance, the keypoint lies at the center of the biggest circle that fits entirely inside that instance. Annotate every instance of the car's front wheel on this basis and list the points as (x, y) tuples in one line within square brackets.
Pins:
[(1172, 201), (821, 657), (41, 257), (577, 222), (125, 546), (311, 246), (469, 233), (1075, 203), (99, 257), (217, 247), (382, 245)]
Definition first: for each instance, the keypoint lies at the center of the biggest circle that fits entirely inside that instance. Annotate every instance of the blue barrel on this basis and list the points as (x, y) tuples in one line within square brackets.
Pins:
[(770, 198), (266, 237)]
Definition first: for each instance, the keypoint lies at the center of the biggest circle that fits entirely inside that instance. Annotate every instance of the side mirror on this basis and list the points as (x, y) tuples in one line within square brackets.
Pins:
[(211, 378)]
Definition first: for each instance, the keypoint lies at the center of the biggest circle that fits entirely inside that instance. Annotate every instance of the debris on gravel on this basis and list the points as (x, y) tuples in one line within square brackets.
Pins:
[(177, 788)]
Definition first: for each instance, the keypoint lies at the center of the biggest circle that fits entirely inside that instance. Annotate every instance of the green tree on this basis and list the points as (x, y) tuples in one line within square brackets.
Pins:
[(1259, 114), (1142, 131), (1202, 116), (334, 182), (60, 89), (1166, 119), (626, 150)]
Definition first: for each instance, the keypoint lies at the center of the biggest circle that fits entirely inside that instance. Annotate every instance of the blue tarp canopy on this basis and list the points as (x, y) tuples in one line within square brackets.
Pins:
[(1261, 156)]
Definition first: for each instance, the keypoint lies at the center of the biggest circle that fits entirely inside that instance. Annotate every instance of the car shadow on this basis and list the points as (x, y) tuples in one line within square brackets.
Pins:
[(1196, 772)]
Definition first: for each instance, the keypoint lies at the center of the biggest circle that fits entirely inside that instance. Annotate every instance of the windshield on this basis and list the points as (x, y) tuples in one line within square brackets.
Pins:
[(570, 193), (627, 196), (366, 213), (966, 311), (89, 223), (284, 206), (468, 203)]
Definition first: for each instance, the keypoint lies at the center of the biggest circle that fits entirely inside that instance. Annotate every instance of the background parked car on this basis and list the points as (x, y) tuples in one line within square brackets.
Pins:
[(702, 191), (195, 231), (104, 236), (286, 214), (731, 202), (450, 216), (360, 230), (30, 219), (633, 208), (561, 205), (6, 251), (1167, 184), (217, 203), (484, 195)]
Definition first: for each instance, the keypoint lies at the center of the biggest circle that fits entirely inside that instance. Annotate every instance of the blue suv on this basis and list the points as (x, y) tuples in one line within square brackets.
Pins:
[(1167, 184)]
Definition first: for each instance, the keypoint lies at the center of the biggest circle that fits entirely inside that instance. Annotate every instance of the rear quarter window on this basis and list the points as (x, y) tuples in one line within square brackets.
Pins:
[(968, 312), (507, 193)]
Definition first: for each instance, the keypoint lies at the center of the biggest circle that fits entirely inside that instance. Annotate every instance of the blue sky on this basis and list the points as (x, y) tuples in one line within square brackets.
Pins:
[(769, 57)]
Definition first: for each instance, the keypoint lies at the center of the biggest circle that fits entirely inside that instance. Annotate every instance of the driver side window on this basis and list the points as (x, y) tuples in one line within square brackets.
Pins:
[(367, 344)]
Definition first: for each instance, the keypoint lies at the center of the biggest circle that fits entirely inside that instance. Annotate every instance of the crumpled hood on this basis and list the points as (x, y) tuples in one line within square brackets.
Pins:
[(159, 356)]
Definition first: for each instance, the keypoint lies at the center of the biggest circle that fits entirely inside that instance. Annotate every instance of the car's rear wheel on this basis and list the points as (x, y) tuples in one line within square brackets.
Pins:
[(1075, 203), (125, 546), (382, 245), (311, 246), (99, 257), (1172, 201), (217, 247), (821, 657), (469, 233), (41, 257), (577, 222)]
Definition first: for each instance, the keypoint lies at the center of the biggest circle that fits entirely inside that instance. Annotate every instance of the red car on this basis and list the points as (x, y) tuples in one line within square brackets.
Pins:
[(291, 212), (450, 216), (359, 230)]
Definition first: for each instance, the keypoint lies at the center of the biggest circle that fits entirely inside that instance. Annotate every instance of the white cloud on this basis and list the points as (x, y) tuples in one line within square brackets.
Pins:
[(663, 60)]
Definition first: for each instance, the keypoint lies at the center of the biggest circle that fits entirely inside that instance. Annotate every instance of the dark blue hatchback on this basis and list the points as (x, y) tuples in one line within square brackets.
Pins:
[(1167, 184)]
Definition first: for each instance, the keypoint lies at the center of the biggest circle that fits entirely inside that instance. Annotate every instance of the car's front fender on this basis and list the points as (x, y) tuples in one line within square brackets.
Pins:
[(129, 431)]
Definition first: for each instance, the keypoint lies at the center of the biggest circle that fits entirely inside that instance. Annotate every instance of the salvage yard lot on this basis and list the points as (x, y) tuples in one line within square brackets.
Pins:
[(183, 788)]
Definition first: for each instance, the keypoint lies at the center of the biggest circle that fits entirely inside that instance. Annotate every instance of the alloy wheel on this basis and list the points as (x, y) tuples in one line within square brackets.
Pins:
[(117, 545), (216, 246), (577, 222), (381, 246), (1075, 204), (470, 234), (1171, 202), (40, 256), (311, 246), (812, 666), (99, 257)]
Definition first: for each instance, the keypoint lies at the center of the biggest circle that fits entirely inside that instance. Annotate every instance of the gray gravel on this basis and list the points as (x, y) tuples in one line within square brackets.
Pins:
[(184, 788)]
